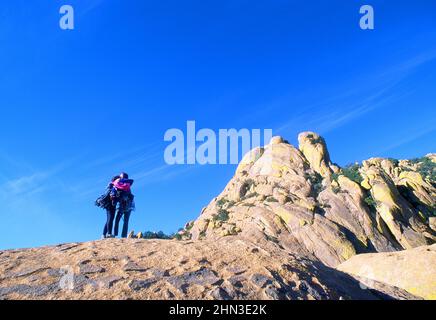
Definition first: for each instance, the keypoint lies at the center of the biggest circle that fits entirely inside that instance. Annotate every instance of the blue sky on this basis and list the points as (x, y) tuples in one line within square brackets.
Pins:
[(80, 106)]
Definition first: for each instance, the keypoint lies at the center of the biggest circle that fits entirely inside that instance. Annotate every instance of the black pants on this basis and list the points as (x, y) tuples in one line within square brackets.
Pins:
[(126, 217), (109, 222)]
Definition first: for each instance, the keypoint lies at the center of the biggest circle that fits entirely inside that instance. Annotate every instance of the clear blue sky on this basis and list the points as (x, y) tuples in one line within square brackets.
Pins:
[(80, 106)]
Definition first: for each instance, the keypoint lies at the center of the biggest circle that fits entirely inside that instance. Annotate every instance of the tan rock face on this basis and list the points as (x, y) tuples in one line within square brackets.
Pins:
[(229, 268), (297, 200), (433, 223), (404, 219), (432, 157), (315, 150), (412, 270), (422, 190)]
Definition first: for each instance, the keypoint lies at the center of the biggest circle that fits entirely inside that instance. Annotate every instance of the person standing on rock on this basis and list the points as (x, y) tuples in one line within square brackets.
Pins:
[(106, 202), (123, 198)]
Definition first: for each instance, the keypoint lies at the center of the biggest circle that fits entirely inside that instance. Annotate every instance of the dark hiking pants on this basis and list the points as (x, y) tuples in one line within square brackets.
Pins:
[(126, 216), (109, 222)]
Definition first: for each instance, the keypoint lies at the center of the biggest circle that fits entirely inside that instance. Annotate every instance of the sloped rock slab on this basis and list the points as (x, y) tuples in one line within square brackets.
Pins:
[(237, 270), (261, 280), (81, 282), (220, 294), (202, 277), (274, 293), (160, 273), (90, 269), (30, 291), (67, 247), (138, 285), (108, 282), (55, 273), (25, 273), (305, 286), (133, 267), (237, 281)]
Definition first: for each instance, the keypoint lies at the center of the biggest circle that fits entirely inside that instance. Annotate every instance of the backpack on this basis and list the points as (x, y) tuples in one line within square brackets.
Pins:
[(104, 201)]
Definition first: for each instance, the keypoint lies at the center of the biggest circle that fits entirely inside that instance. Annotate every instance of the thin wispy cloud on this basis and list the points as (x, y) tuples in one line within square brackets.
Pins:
[(165, 172), (403, 69), (123, 155), (27, 185), (336, 119), (91, 5), (425, 130), (145, 164), (358, 102), (18, 189)]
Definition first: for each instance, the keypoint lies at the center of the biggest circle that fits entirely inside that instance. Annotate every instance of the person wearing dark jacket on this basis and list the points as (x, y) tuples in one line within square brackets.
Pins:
[(110, 210), (125, 200)]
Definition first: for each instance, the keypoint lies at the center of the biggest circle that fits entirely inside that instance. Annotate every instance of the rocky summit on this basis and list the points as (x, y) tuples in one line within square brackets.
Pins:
[(290, 224), (301, 201)]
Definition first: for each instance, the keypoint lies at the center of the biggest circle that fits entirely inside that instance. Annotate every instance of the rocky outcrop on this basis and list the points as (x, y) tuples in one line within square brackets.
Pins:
[(406, 223), (298, 200), (411, 270), (314, 149), (168, 269)]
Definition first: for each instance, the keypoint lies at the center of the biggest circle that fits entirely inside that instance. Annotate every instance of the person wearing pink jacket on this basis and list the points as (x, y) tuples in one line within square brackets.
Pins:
[(122, 196)]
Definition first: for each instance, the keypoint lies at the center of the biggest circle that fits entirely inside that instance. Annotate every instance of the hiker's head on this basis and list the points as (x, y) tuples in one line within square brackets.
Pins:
[(124, 175), (115, 178)]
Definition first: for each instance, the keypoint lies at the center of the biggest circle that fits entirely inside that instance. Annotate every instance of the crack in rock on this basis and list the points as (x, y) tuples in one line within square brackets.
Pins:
[(63, 248)]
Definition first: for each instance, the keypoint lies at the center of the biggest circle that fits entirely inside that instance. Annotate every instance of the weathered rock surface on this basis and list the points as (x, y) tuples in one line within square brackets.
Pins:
[(315, 151), (268, 273), (412, 270), (301, 202)]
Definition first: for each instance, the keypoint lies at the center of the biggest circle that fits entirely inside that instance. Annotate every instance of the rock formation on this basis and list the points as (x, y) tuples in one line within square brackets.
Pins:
[(279, 229), (299, 200), (414, 270), (229, 268)]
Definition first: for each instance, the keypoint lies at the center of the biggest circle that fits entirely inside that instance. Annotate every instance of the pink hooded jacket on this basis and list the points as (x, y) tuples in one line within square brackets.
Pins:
[(123, 184)]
